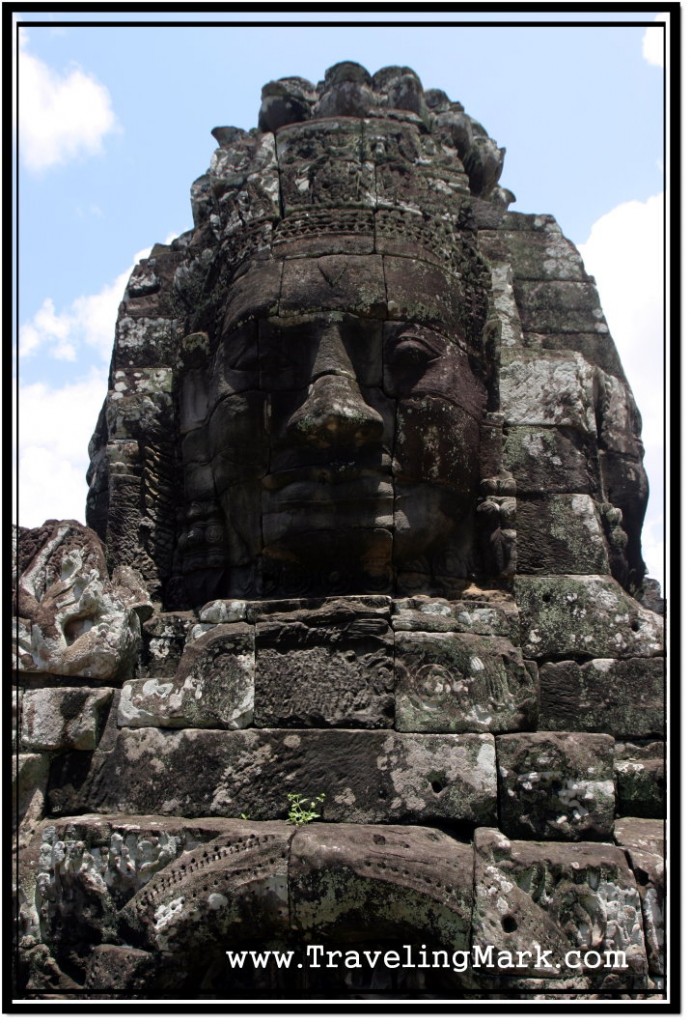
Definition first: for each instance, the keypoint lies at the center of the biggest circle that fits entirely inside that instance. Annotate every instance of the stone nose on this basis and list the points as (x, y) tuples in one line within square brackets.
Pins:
[(334, 414)]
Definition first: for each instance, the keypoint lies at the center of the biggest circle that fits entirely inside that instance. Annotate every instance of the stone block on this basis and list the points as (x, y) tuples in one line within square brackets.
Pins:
[(254, 294), (29, 780), (640, 776), (400, 880), (16, 719), (147, 341), (644, 842), (438, 448), (550, 460), (542, 222), (353, 284), (596, 696), (80, 873), (72, 620), (223, 611), (235, 368), (584, 616), (620, 420), (560, 533), (213, 686), (140, 404), (194, 905), (400, 232), (552, 391), (492, 614), (458, 682), (506, 309), (319, 611), (324, 232), (114, 856), (316, 675), (596, 347), (434, 297), (564, 900), (547, 306), (64, 717), (367, 776), (321, 164), (164, 637), (556, 785), (543, 256), (626, 485)]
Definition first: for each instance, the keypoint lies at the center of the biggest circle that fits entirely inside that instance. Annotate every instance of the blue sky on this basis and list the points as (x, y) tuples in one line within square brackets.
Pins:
[(579, 110)]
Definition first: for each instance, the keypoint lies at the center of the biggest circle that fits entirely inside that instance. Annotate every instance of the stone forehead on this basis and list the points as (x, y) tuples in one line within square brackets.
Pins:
[(389, 290)]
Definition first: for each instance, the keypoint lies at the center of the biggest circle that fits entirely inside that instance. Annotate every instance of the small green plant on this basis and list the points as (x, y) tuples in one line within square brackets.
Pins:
[(302, 809)]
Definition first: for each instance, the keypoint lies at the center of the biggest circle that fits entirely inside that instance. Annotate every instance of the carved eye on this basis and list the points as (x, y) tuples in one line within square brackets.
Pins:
[(413, 353)]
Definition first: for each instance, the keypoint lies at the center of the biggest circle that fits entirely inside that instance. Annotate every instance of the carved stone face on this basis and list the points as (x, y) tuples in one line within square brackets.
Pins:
[(342, 448)]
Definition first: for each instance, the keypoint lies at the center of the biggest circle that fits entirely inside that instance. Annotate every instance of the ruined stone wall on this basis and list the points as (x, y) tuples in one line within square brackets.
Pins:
[(485, 721)]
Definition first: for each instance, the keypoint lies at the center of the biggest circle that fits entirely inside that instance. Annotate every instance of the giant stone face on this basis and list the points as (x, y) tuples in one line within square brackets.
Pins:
[(350, 376), (331, 416), (341, 445)]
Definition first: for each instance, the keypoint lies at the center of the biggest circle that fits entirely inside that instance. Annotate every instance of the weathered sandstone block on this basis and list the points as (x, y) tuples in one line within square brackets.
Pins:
[(29, 781), (366, 776), (315, 675), (492, 614), (570, 898), (588, 616), (409, 879), (644, 842), (597, 696), (64, 717), (72, 621), (212, 687), (560, 533), (550, 460), (457, 682), (556, 785), (641, 779), (554, 391)]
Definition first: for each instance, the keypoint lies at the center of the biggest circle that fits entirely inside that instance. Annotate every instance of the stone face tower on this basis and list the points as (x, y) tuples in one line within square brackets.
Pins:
[(369, 483)]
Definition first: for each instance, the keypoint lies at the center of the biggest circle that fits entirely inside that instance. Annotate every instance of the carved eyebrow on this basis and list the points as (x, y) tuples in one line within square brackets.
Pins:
[(425, 339)]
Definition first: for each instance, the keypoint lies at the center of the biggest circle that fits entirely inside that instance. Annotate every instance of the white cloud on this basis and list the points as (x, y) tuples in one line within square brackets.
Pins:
[(55, 425), (654, 44), (62, 116), (625, 254), (88, 321)]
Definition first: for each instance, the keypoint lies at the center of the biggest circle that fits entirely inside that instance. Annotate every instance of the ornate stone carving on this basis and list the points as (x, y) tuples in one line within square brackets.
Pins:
[(369, 480)]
